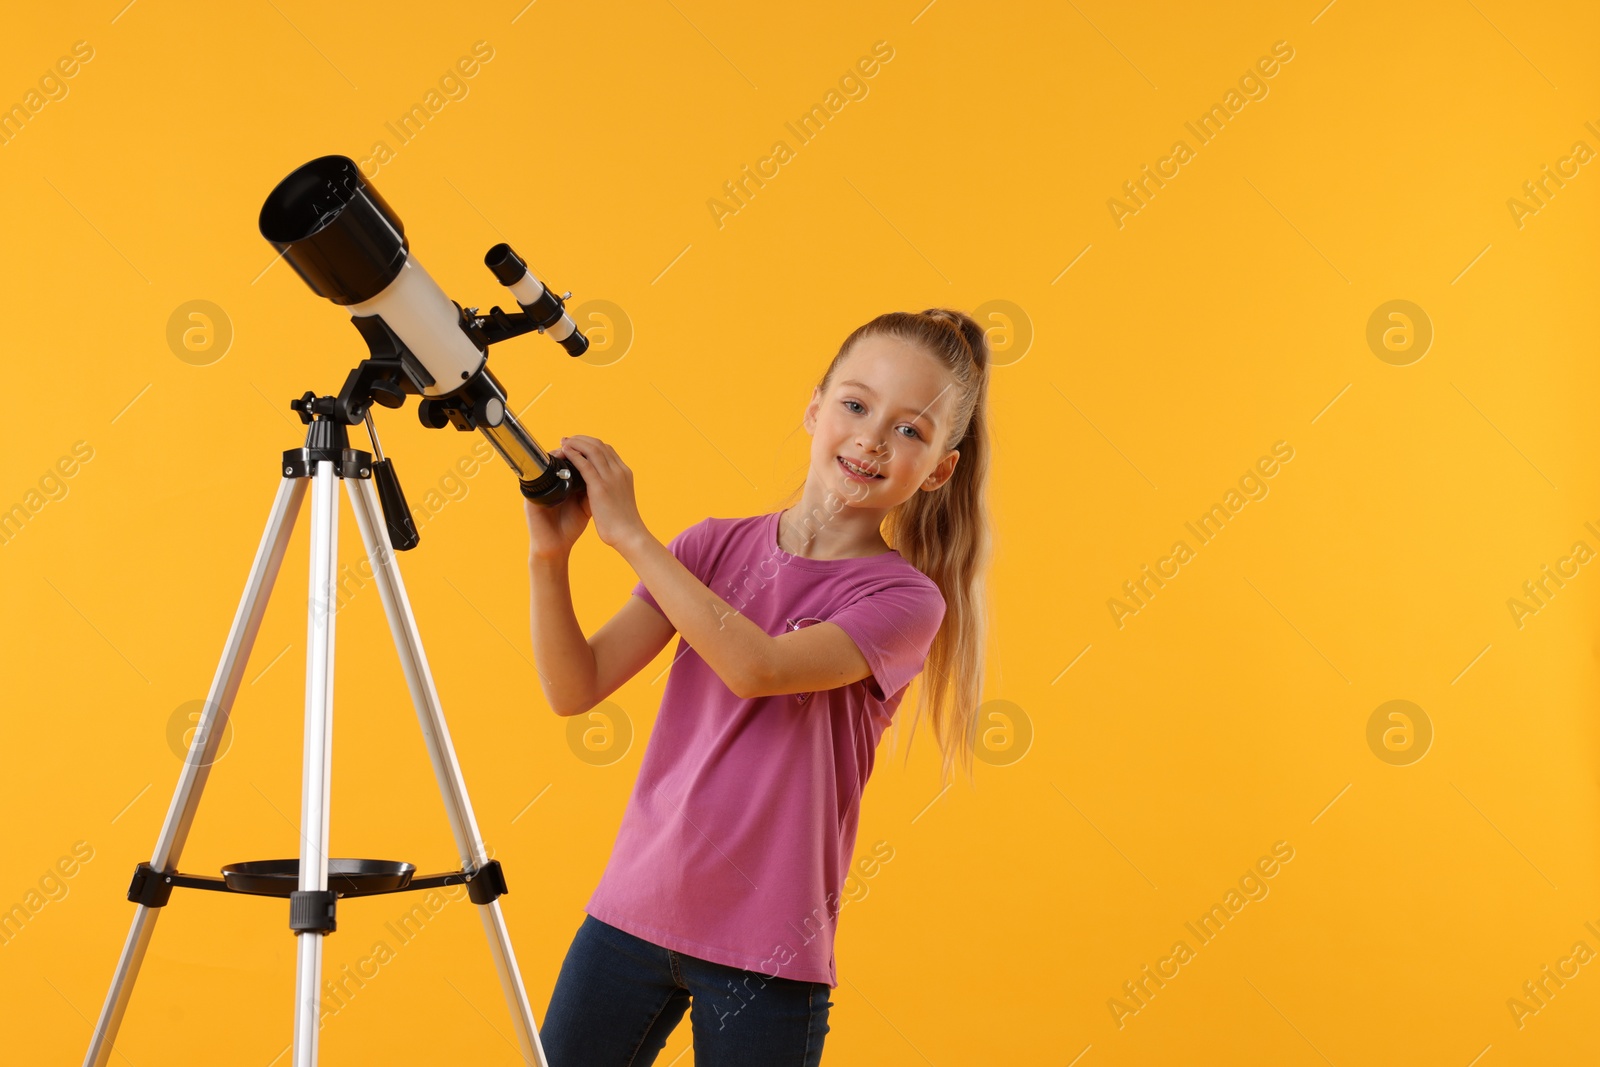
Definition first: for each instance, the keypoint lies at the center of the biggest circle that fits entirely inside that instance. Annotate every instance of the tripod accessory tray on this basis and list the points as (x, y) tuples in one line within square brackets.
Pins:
[(347, 878), (313, 910)]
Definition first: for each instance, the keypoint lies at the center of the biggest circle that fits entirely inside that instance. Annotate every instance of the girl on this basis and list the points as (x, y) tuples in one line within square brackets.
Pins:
[(801, 630)]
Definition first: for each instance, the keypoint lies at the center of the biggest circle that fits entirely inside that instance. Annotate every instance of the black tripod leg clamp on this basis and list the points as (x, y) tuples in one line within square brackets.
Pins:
[(312, 911), (487, 883), (150, 887)]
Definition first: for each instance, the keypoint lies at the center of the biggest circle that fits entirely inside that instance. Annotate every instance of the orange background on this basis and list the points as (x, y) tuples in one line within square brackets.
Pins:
[(1142, 370)]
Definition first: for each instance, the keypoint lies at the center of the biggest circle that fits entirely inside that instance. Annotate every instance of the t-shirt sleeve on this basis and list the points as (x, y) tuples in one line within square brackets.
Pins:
[(893, 626), (690, 549)]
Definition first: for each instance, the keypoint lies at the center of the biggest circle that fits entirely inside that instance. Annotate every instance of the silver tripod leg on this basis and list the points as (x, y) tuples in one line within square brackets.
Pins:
[(317, 772), (202, 751), (414, 662)]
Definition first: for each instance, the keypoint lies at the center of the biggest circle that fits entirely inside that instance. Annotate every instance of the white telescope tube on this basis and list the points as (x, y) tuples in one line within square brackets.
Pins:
[(419, 313)]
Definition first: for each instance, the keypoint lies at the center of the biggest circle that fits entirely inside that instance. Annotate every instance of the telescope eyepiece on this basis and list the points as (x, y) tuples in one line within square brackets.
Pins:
[(507, 266)]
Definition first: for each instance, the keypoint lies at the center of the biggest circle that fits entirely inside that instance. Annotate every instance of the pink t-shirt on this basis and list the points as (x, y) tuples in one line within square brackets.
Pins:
[(742, 824)]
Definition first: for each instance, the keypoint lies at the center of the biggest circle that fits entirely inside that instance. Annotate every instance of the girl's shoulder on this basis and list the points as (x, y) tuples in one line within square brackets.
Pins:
[(718, 530), (704, 545)]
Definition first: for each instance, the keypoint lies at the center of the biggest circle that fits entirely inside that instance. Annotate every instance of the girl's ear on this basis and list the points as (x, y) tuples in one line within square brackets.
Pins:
[(809, 419), (942, 471)]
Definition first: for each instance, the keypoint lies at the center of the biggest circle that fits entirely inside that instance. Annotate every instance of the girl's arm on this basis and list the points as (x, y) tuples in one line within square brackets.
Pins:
[(747, 659), (577, 674)]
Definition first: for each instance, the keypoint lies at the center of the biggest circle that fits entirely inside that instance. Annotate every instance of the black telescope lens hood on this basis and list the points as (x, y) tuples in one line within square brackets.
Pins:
[(335, 230)]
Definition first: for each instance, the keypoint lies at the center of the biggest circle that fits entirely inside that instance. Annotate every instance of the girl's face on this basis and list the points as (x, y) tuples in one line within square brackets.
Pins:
[(888, 410)]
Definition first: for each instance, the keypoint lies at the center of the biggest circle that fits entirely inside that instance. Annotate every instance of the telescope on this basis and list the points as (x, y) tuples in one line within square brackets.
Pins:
[(349, 246)]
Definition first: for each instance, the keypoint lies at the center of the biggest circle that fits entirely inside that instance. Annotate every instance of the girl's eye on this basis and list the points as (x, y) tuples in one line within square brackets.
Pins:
[(857, 404)]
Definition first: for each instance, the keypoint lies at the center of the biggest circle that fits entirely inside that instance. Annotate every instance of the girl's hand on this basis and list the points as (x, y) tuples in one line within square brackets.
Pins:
[(609, 485), (553, 531)]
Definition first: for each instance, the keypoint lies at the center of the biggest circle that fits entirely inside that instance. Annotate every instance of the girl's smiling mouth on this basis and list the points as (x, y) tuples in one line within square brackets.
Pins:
[(853, 473)]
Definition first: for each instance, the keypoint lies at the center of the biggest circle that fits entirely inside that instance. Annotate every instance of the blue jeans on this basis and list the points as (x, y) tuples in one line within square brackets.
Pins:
[(618, 997)]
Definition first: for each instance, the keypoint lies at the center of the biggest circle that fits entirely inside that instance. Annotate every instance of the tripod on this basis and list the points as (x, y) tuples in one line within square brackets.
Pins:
[(314, 883)]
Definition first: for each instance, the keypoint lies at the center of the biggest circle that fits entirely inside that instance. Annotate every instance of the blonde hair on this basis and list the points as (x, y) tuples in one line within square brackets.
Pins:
[(945, 532)]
